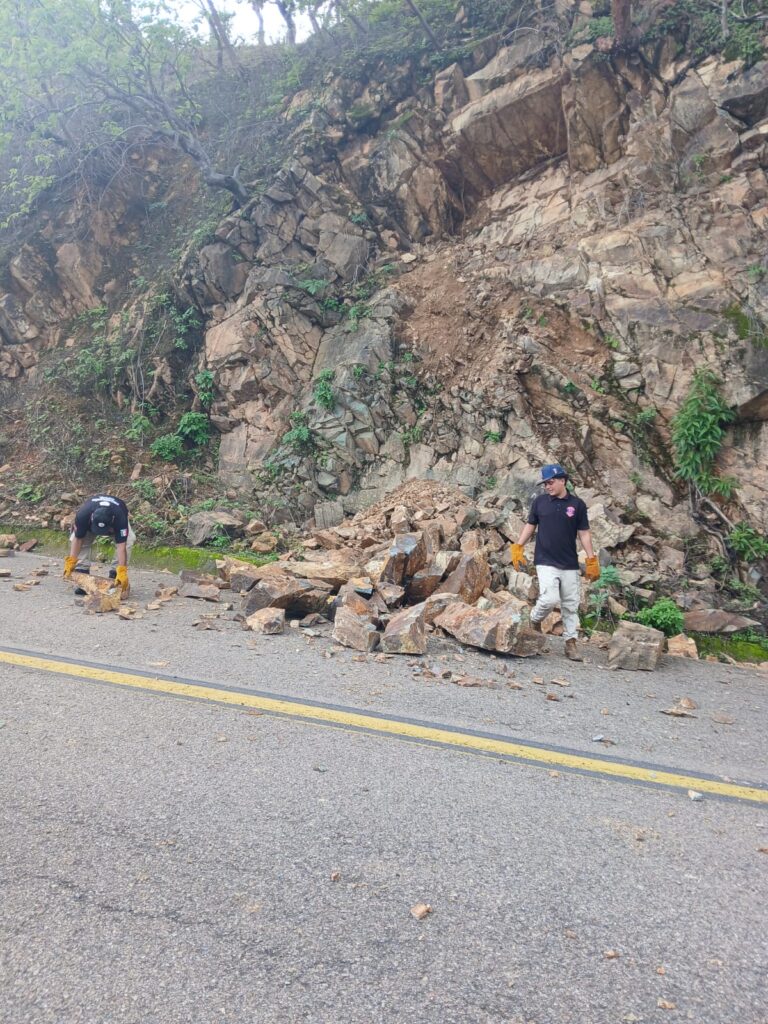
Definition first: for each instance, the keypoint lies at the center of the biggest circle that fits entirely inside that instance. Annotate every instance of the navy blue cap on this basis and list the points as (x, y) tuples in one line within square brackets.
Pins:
[(551, 471)]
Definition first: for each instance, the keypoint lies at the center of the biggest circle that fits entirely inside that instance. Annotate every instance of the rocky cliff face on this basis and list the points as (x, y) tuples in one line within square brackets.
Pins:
[(463, 280)]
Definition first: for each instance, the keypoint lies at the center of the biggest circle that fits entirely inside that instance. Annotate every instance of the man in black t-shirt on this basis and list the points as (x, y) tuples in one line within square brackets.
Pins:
[(558, 518), (102, 516)]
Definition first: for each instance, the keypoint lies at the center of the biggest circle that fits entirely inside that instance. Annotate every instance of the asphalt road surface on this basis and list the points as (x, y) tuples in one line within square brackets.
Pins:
[(170, 858)]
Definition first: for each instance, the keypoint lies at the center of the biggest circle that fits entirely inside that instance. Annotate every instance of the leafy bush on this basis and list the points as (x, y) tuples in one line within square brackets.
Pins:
[(664, 615), (30, 493), (599, 593), (204, 382), (699, 24), (313, 285), (698, 430), (140, 425), (323, 391), (169, 447), (194, 427), (299, 437), (748, 544), (492, 436), (145, 489)]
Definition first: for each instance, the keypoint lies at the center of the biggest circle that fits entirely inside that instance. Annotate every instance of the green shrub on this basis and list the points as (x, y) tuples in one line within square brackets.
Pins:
[(169, 447), (698, 430), (140, 425), (204, 382), (492, 436), (748, 544), (30, 493), (323, 391), (194, 427), (313, 285), (664, 615), (145, 489), (299, 437)]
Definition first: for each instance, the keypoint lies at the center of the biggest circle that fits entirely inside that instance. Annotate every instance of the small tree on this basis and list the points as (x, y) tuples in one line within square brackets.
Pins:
[(89, 77)]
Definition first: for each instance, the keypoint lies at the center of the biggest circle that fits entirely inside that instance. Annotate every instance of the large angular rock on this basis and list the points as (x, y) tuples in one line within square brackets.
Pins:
[(510, 130), (298, 596), (424, 583), (746, 97), (635, 647), (390, 593), (682, 646), (407, 556), (269, 621), (522, 585), (504, 629), (101, 602), (406, 632), (349, 598), (331, 568), (354, 631), (715, 620), (607, 531), (436, 605), (203, 526), (469, 579), (199, 591)]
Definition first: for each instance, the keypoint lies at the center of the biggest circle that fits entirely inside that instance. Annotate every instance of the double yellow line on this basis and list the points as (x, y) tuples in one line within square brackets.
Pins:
[(468, 742)]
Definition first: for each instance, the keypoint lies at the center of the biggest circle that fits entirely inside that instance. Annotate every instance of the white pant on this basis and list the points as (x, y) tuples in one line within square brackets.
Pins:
[(559, 587), (86, 552)]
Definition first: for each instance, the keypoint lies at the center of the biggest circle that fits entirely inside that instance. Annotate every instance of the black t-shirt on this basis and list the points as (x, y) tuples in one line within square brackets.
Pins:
[(557, 521), (119, 510)]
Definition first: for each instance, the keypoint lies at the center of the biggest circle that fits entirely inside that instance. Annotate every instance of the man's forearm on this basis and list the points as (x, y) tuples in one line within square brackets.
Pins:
[(121, 552), (586, 542), (526, 533), (75, 547)]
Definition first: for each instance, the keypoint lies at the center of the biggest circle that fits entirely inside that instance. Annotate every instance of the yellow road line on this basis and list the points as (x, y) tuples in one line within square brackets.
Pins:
[(466, 741)]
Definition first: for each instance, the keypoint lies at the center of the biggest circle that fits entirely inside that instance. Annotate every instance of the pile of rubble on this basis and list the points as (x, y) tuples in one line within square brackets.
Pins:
[(424, 560)]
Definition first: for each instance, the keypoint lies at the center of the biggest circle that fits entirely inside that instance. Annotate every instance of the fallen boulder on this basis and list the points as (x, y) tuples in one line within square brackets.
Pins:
[(469, 579), (715, 620), (298, 596), (635, 647), (406, 632), (269, 621), (354, 631), (203, 526), (682, 646), (503, 629)]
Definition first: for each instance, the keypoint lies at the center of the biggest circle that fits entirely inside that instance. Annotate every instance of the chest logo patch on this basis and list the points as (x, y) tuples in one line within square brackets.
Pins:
[(570, 511)]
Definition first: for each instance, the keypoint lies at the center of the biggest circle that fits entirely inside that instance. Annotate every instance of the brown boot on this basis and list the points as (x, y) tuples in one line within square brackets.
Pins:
[(571, 652)]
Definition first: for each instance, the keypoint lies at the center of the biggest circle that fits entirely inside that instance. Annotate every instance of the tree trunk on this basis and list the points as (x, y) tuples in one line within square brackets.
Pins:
[(622, 21), (345, 13), (222, 36), (258, 10), (286, 12), (411, 4)]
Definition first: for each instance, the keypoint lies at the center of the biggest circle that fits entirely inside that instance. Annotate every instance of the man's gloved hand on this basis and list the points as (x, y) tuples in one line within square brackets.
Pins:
[(518, 557), (592, 568), (69, 564), (121, 578)]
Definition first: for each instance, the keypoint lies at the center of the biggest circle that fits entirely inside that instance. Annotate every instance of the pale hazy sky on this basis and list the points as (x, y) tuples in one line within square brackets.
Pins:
[(244, 23)]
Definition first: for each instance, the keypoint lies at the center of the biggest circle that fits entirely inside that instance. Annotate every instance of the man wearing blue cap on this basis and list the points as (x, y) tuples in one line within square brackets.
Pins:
[(558, 518), (102, 516)]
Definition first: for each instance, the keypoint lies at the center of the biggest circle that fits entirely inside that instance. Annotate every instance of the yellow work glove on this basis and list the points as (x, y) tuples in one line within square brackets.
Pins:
[(69, 564), (518, 557), (121, 577), (592, 568)]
